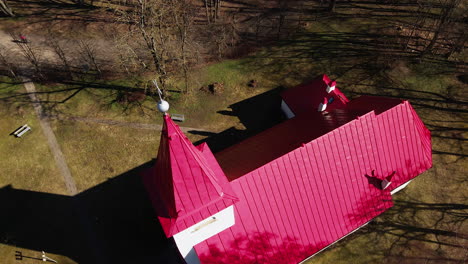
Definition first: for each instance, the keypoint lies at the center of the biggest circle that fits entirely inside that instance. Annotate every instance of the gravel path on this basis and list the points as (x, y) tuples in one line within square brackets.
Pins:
[(119, 123), (51, 139)]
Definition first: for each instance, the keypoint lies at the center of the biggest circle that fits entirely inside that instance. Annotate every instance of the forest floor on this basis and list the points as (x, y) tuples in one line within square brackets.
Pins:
[(428, 223)]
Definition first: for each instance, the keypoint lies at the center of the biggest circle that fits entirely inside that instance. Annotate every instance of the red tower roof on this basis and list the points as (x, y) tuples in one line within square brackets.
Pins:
[(185, 180)]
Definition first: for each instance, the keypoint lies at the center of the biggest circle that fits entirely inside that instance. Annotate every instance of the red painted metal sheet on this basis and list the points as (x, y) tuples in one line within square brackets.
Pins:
[(407, 150), (281, 139), (314, 188), (424, 136), (318, 193), (303, 200), (185, 181), (305, 98)]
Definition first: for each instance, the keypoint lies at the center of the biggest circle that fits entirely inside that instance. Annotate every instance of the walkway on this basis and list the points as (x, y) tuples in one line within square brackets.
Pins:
[(118, 123), (51, 139)]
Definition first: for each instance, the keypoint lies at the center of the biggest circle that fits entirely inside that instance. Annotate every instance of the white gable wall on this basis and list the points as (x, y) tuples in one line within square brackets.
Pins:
[(186, 239)]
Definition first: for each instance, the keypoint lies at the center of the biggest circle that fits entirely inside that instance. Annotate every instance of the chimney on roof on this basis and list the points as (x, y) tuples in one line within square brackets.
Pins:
[(387, 181), (331, 86), (323, 105)]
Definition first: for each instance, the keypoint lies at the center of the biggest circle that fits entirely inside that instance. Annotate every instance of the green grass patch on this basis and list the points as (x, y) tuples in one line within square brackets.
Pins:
[(424, 226), (27, 165), (96, 153), (26, 162)]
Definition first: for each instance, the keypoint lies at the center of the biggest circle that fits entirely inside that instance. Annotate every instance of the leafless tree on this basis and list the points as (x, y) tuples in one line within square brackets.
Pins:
[(445, 19), (183, 15), (56, 45), (332, 5), (212, 9), (29, 53), (89, 54), (5, 61), (164, 29), (5, 9), (129, 59), (83, 2)]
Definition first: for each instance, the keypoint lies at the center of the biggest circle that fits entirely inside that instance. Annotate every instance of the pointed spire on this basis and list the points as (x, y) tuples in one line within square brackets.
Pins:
[(186, 179)]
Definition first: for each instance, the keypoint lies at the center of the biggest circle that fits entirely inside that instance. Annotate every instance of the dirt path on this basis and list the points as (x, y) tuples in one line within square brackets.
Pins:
[(51, 139), (6, 42), (119, 123)]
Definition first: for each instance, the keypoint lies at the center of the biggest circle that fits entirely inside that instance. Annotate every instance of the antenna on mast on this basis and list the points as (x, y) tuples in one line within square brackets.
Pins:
[(163, 106)]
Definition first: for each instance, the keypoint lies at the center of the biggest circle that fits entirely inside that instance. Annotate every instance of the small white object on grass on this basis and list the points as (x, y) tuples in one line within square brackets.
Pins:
[(26, 129), (22, 130)]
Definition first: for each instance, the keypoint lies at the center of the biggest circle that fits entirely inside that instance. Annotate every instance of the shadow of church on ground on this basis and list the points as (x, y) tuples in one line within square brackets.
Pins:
[(256, 114), (113, 222)]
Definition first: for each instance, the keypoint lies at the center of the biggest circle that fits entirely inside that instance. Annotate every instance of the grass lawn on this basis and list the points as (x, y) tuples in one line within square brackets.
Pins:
[(96, 153), (26, 164), (426, 225)]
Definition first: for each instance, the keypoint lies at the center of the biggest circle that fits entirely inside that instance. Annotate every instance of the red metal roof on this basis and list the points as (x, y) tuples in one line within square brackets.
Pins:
[(291, 134), (298, 203), (305, 98), (185, 180), (268, 145), (301, 185)]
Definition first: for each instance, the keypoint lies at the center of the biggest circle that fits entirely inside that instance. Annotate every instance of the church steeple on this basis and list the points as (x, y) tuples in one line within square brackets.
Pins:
[(187, 183)]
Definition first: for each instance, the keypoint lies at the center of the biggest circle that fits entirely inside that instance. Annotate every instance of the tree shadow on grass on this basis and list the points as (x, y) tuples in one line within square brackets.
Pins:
[(411, 231), (51, 99), (440, 233), (110, 223), (56, 11)]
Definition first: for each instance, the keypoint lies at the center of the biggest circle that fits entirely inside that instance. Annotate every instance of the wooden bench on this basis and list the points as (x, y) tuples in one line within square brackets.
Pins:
[(21, 130), (178, 117)]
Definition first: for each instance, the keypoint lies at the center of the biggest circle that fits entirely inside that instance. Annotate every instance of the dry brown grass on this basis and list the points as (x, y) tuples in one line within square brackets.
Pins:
[(428, 222), (96, 153), (26, 162)]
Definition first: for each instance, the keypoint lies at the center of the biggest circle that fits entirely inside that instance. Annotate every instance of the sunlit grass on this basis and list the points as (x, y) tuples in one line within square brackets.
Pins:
[(26, 162), (96, 153)]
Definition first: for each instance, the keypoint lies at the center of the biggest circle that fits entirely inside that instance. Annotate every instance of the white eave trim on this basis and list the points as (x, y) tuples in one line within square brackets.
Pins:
[(399, 188), (313, 255)]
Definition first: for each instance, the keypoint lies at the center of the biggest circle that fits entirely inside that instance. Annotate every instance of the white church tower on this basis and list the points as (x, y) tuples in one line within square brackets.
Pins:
[(191, 195)]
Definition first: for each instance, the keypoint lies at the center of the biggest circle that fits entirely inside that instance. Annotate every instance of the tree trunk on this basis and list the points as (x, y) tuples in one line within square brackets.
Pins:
[(5, 9), (444, 18), (218, 6), (331, 6), (207, 12), (280, 25)]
